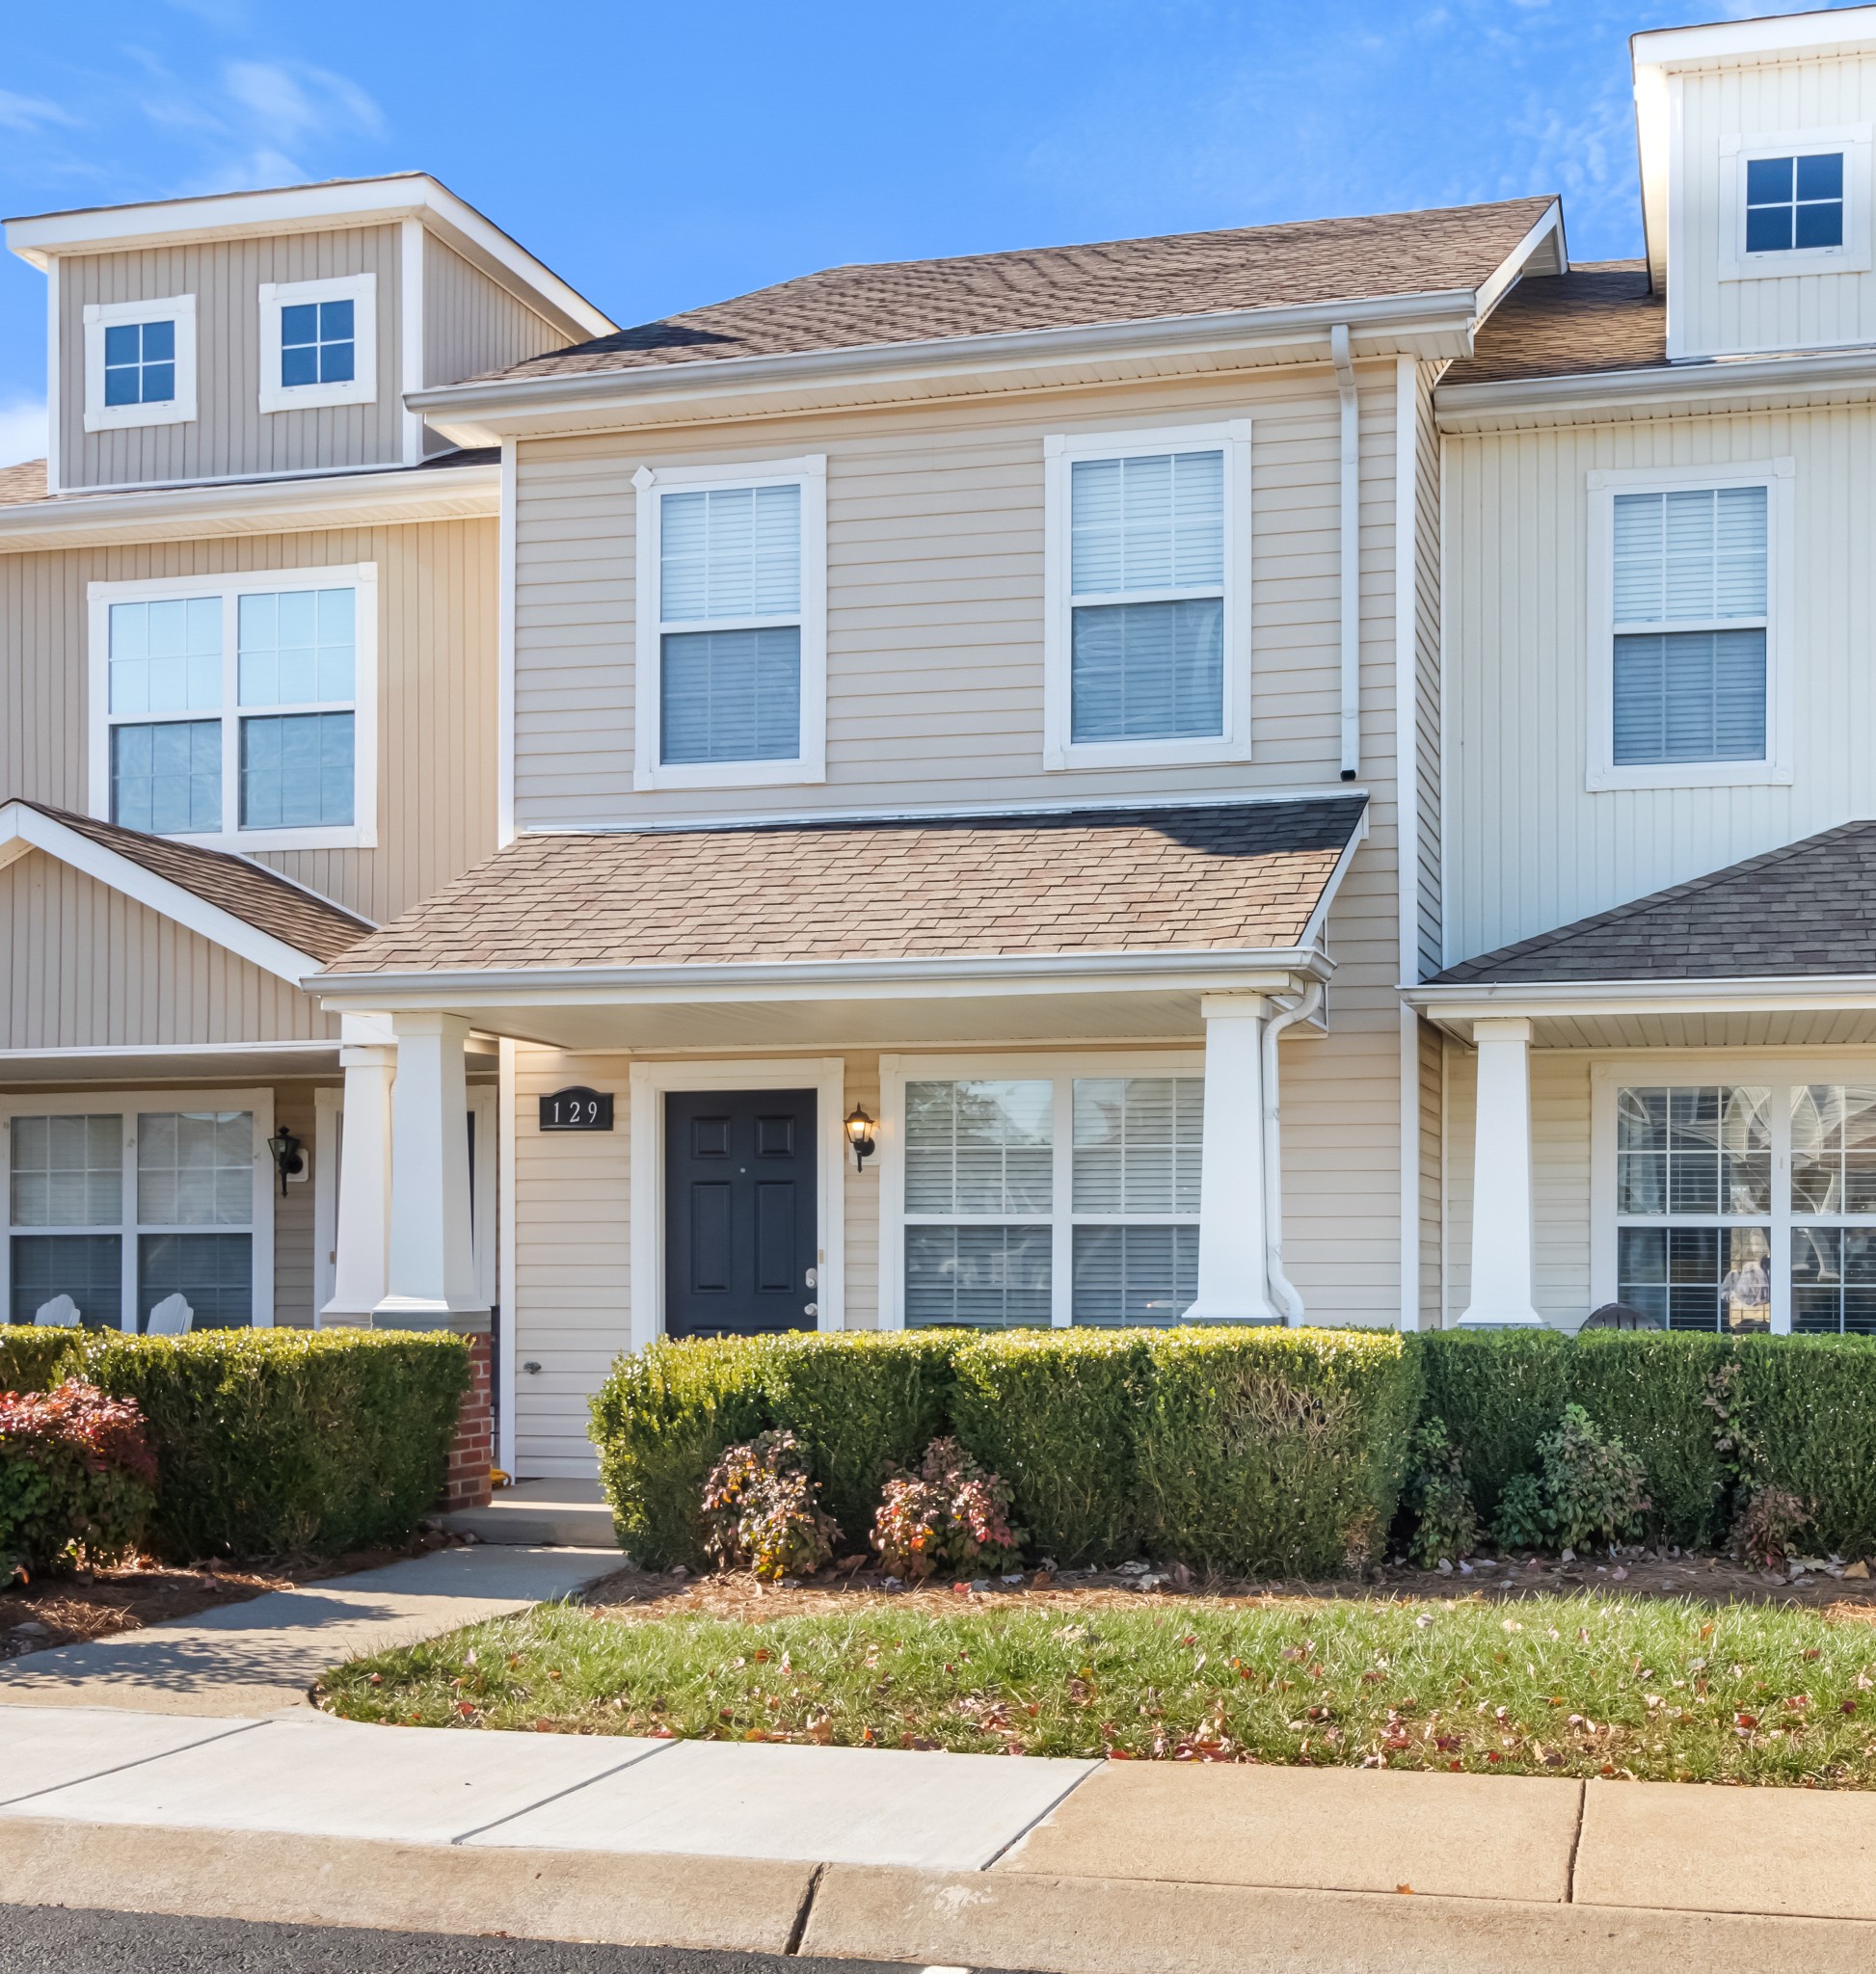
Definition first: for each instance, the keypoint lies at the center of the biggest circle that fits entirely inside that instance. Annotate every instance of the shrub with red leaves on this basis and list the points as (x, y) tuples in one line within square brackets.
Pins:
[(953, 1514), (77, 1477)]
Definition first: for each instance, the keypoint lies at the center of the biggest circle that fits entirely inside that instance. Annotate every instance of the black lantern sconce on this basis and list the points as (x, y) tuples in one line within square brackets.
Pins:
[(859, 1134), (285, 1148)]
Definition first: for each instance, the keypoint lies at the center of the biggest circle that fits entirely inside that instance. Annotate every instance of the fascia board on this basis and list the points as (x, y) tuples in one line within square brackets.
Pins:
[(21, 825), (293, 506), (1840, 31), (1807, 993), (1549, 227), (1312, 931)]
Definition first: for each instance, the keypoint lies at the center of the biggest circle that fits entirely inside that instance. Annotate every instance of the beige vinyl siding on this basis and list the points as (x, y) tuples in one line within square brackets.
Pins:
[(1817, 309), (229, 434), (1528, 847), (1429, 791), (471, 324), (85, 967), (436, 688), (293, 1110)]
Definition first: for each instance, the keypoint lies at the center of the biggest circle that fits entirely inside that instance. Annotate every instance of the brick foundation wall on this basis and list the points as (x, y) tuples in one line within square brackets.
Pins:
[(473, 1454)]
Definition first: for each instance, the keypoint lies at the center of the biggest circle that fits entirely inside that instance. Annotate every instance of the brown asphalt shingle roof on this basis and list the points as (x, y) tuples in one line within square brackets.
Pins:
[(250, 892), (1221, 877), (22, 483), (1597, 317), (1808, 908), (1302, 264)]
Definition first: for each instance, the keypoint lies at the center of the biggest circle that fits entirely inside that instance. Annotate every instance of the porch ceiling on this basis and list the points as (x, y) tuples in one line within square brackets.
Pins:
[(1830, 1028)]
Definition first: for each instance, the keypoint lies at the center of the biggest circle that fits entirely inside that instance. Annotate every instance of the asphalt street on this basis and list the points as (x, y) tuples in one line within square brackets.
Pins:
[(46, 1939)]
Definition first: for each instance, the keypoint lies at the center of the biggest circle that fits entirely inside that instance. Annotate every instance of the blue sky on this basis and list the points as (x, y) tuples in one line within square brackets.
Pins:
[(659, 157)]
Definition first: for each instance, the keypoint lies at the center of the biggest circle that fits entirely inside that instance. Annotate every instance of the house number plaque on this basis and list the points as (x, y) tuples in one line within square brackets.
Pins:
[(577, 1110)]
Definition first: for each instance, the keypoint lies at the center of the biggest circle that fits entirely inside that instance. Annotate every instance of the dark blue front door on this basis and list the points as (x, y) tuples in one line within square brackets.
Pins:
[(739, 1221)]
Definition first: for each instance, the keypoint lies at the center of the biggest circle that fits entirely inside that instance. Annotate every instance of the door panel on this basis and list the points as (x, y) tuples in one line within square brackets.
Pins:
[(739, 1221)]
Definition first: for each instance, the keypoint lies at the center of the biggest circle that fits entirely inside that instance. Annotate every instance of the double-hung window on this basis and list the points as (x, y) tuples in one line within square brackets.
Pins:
[(732, 614), (1146, 644), (238, 711), (1037, 1193), (319, 342), (1690, 651), (120, 1207), (140, 363)]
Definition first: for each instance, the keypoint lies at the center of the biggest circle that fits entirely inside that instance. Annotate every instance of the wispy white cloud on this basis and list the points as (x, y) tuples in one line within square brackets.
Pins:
[(30, 113), (293, 99), (22, 430)]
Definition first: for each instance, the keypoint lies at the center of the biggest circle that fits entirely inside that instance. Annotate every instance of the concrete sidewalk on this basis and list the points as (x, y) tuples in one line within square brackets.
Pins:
[(248, 1659), (1074, 1867)]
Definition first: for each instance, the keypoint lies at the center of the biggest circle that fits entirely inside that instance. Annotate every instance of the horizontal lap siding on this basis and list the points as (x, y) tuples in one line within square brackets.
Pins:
[(293, 1110)]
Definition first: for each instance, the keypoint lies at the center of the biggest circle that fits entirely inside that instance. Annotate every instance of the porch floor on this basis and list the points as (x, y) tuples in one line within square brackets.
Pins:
[(565, 1514)]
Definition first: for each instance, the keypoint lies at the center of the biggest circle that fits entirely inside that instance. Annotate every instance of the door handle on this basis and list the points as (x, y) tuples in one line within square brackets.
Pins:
[(811, 1309)]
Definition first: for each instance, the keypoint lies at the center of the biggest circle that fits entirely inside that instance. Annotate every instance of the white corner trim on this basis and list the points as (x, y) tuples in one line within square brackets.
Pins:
[(810, 764), (362, 386), (507, 1271), (180, 410), (23, 828), (411, 300), (648, 1084), (1406, 832), (1060, 452), (505, 539)]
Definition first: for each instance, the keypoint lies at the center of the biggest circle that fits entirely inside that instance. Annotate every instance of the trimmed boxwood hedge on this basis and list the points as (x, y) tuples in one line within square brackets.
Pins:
[(34, 1360), (1239, 1449)]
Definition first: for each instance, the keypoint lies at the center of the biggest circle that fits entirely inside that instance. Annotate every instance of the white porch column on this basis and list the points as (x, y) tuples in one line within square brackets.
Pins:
[(362, 1249), (1233, 1278), (1501, 1178), (432, 1273)]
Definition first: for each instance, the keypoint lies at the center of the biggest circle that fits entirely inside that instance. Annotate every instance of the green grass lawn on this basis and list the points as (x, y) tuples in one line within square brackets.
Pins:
[(1660, 1690)]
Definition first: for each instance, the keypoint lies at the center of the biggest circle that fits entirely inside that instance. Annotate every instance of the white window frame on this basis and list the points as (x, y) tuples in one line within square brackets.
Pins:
[(180, 410), (362, 386), (1060, 452), (647, 1085), (810, 764), (1704, 1067), (1777, 477), (361, 833), (104, 1103), (1738, 151), (1062, 1070)]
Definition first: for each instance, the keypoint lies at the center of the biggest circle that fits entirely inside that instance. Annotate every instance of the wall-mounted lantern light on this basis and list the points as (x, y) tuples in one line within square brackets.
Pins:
[(859, 1134), (285, 1148)]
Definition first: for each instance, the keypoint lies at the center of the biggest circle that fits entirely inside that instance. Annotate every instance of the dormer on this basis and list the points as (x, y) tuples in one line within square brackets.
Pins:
[(261, 335), (1756, 185)]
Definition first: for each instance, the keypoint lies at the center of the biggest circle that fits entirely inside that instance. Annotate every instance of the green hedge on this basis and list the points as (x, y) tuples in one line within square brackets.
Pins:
[(34, 1360), (1240, 1450), (286, 1440), (1808, 1410)]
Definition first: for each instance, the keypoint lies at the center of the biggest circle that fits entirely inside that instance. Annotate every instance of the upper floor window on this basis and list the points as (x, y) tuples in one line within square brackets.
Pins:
[(1794, 202), (1689, 659), (140, 363), (239, 710), (319, 342), (731, 643), (1147, 641)]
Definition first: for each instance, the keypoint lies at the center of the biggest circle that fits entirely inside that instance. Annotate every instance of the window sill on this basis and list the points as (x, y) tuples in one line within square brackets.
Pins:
[(249, 841), (731, 774), (1794, 261), (1706, 774), (131, 417), (312, 397), (1121, 754)]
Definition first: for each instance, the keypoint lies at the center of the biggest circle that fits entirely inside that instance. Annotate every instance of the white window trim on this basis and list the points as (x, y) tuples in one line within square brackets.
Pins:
[(180, 410), (647, 1085), (1737, 151), (809, 475), (1059, 1069), (1060, 451), (361, 833), (129, 1103), (1686, 1067), (362, 386), (1776, 476)]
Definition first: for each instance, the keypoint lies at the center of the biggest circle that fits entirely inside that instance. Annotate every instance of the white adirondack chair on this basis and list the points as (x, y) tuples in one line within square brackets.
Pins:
[(171, 1318), (60, 1314)]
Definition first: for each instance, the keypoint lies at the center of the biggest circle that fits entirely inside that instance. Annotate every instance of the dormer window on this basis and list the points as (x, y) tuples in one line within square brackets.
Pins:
[(1794, 202), (318, 343), (140, 363)]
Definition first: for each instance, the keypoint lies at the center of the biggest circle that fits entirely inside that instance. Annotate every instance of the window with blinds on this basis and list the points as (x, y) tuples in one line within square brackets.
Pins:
[(1147, 602), (730, 625), (1690, 596), (1051, 1200)]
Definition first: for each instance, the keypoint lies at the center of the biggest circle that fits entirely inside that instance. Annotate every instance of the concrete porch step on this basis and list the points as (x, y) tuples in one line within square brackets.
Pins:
[(565, 1514)]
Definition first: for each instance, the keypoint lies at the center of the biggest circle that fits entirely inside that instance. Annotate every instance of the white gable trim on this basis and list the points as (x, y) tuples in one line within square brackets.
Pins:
[(23, 829)]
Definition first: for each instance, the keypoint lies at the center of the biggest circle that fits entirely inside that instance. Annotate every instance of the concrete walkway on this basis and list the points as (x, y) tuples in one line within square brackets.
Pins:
[(1073, 1867), (249, 1659)]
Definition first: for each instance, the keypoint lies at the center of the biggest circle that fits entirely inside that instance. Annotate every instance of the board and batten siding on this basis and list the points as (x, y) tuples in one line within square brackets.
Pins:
[(231, 434), (437, 647), (471, 324), (1712, 316), (1527, 846)]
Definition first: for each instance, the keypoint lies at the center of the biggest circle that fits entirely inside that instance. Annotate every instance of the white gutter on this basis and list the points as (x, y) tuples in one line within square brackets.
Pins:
[(1589, 999), (1351, 558), (1283, 1292)]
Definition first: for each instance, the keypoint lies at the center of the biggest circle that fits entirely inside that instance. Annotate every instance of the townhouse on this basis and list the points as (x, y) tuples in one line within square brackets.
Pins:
[(1297, 773)]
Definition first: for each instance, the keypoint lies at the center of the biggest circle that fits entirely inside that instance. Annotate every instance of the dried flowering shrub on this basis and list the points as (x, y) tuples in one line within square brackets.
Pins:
[(953, 1514), (77, 1477), (763, 1510)]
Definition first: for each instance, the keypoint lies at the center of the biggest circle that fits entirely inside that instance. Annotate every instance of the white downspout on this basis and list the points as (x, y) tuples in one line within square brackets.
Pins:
[(1283, 1291), (1350, 561)]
